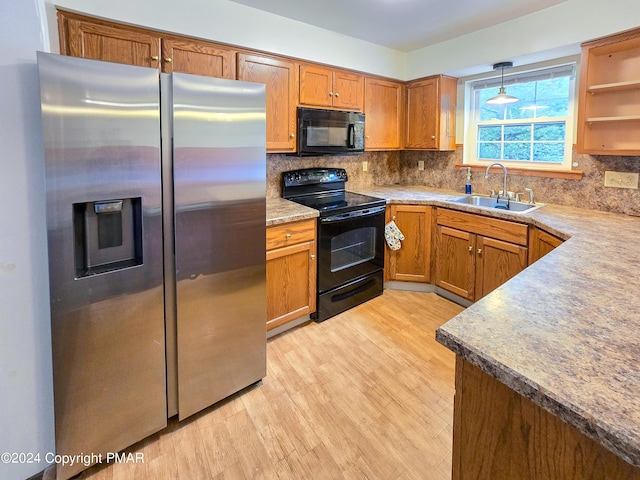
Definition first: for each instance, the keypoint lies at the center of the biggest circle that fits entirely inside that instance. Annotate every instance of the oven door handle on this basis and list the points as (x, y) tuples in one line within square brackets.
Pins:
[(367, 212)]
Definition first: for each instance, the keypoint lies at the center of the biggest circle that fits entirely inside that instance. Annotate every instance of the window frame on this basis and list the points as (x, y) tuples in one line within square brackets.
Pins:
[(471, 125)]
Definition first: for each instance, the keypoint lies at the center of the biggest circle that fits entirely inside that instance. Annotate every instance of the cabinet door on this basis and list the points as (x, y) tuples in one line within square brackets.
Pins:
[(430, 113), (383, 114), (541, 243), (422, 119), (316, 86), (109, 43), (291, 283), (455, 261), (412, 263), (496, 262), (281, 78), (348, 90), (197, 58)]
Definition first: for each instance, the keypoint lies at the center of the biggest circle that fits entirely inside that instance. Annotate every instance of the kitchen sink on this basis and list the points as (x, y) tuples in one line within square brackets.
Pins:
[(502, 204)]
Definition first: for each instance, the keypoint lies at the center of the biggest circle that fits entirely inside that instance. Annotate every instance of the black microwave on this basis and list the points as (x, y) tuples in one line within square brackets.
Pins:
[(330, 132)]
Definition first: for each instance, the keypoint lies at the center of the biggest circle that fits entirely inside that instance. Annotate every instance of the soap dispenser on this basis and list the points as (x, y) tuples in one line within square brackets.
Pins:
[(467, 185)]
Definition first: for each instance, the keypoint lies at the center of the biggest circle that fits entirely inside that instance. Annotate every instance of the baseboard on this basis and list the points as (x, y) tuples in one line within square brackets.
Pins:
[(410, 286), (427, 288), (288, 326)]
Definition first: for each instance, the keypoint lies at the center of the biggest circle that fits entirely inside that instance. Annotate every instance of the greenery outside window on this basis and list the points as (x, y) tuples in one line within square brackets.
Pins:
[(536, 132)]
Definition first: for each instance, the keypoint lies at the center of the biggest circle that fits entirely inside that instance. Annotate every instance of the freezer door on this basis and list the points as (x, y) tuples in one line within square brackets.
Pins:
[(219, 145), (101, 127)]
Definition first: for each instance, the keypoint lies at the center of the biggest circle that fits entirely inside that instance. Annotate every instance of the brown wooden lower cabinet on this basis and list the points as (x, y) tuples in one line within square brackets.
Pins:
[(291, 272), (541, 243), (500, 435), (412, 263), (476, 254)]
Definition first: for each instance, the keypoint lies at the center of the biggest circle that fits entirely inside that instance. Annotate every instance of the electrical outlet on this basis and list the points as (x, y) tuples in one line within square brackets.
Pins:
[(365, 166), (420, 164), (621, 179)]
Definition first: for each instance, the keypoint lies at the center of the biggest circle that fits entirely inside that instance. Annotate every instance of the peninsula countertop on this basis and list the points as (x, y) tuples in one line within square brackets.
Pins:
[(565, 332)]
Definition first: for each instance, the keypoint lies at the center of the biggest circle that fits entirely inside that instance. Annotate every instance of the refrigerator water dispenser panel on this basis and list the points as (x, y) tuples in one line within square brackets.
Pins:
[(108, 235)]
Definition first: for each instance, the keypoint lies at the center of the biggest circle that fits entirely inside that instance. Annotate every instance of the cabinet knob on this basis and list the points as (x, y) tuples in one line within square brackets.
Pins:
[(331, 94), (336, 95), (433, 137), (155, 57), (479, 251), (287, 235), (313, 257), (470, 249), (168, 59), (293, 135)]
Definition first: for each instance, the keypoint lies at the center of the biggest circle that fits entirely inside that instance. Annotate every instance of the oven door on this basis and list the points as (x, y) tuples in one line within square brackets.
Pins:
[(327, 132), (350, 247)]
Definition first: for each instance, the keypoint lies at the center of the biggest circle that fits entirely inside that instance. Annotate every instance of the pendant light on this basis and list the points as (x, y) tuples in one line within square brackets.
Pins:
[(502, 96)]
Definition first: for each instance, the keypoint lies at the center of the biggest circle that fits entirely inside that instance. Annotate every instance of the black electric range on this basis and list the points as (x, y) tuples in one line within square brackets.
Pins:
[(350, 237)]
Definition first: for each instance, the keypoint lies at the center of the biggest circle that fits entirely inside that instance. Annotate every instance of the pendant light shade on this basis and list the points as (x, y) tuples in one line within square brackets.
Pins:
[(502, 96)]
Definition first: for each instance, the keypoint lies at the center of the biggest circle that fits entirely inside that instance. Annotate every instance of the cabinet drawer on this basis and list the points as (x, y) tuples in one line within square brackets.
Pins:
[(491, 227), (290, 233)]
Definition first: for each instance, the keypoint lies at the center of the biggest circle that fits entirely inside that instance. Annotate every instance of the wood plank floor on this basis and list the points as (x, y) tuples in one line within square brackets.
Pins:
[(367, 394)]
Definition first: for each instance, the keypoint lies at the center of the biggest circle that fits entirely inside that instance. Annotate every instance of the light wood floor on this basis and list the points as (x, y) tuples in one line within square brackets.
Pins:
[(364, 395)]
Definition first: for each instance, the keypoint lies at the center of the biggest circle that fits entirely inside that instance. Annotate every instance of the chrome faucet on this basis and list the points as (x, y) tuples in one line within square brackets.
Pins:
[(504, 169)]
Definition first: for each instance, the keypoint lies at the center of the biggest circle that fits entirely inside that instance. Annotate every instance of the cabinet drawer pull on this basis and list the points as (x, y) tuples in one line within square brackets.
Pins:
[(287, 235)]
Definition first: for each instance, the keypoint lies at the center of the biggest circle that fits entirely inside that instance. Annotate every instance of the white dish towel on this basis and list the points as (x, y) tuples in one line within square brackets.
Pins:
[(393, 235)]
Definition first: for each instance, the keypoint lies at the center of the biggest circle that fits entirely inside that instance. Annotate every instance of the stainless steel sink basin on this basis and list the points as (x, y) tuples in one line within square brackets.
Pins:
[(490, 202)]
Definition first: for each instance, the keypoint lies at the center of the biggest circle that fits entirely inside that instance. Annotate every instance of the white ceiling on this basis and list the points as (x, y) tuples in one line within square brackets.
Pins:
[(403, 25)]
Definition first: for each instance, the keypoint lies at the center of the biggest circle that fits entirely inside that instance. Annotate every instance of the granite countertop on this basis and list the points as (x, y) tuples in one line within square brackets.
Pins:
[(565, 332), (281, 211)]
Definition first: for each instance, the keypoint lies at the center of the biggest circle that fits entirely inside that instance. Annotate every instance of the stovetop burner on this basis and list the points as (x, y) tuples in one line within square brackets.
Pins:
[(324, 190)]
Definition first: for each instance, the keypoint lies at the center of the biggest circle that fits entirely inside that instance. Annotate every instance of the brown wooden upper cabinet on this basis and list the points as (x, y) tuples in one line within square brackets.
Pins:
[(609, 98), (110, 42), (383, 114), (281, 78), (326, 87), (86, 38), (198, 58), (430, 113)]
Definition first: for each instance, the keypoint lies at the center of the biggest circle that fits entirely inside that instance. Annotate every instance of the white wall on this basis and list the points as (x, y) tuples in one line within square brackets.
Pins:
[(26, 398), (235, 24), (551, 33)]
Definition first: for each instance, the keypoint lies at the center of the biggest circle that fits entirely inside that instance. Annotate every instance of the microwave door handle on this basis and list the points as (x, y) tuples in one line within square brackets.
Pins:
[(351, 135)]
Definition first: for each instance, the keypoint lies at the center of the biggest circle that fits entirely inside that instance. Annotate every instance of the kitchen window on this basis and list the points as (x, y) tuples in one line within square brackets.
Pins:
[(535, 132)]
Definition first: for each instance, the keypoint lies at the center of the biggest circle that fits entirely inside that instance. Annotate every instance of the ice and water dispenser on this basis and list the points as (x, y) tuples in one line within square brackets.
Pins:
[(108, 235)]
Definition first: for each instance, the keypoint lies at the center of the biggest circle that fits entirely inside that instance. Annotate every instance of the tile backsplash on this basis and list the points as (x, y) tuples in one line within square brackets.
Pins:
[(401, 168), (382, 169)]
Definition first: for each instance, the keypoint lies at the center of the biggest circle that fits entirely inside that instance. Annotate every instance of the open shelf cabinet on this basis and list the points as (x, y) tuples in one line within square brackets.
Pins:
[(609, 98)]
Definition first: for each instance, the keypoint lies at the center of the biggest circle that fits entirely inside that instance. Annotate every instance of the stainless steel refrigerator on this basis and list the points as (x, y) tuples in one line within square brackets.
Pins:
[(156, 189)]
